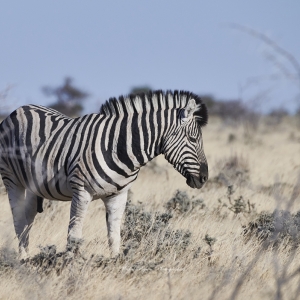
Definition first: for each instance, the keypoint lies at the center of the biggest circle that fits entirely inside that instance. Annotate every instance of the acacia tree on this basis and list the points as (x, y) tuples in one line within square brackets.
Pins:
[(68, 98)]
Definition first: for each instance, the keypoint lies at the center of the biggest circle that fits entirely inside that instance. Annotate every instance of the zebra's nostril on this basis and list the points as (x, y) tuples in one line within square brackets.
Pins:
[(203, 179), (203, 173)]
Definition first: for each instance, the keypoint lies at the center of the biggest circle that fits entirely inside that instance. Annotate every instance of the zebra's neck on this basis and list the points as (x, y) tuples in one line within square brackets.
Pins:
[(137, 125), (150, 131), (138, 138)]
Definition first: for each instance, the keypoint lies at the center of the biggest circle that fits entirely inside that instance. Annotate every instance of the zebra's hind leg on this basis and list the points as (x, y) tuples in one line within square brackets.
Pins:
[(115, 207), (31, 206), (80, 201), (16, 195)]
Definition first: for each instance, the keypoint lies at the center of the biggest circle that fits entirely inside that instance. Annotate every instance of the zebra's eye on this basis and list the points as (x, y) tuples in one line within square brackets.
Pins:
[(192, 139)]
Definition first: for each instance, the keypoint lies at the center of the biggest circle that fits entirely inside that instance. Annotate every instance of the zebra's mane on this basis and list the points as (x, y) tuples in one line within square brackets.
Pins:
[(155, 101)]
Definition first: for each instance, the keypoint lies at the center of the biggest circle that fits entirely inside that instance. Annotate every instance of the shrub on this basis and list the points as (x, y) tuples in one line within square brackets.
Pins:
[(235, 204), (151, 229), (8, 259), (181, 203), (274, 228)]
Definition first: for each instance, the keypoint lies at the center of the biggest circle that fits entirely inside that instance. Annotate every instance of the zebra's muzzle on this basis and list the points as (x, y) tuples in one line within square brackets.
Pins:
[(196, 182)]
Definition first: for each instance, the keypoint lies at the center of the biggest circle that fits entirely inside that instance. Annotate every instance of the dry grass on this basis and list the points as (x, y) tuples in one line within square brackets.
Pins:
[(200, 252)]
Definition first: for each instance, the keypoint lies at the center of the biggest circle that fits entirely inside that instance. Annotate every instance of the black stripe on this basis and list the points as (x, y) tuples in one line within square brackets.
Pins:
[(122, 142), (107, 154), (51, 145), (42, 124), (144, 128), (97, 166), (91, 124), (152, 128), (157, 149), (75, 124), (136, 140), (18, 139)]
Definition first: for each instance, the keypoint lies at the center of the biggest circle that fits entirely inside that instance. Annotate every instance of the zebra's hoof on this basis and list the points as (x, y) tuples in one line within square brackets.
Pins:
[(23, 255), (74, 244)]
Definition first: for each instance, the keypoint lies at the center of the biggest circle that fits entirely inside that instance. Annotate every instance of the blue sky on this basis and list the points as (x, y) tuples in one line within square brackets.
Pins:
[(108, 47)]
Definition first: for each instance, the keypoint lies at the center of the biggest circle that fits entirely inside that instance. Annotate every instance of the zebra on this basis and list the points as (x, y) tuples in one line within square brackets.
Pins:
[(45, 154)]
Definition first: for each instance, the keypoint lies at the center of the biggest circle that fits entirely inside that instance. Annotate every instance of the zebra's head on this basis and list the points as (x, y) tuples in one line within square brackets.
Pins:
[(183, 147)]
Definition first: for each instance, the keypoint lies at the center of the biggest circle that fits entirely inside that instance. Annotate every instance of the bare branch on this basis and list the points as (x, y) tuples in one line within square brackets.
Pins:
[(291, 58), (284, 70)]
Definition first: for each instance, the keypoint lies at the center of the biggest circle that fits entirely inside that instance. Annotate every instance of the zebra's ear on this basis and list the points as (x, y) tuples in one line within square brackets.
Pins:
[(188, 112), (195, 109)]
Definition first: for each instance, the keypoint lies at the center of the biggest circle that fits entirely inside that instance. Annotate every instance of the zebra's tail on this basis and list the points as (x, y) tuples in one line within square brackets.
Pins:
[(40, 201)]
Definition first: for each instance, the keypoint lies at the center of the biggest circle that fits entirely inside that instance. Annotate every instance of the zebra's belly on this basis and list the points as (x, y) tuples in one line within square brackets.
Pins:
[(52, 192), (49, 184)]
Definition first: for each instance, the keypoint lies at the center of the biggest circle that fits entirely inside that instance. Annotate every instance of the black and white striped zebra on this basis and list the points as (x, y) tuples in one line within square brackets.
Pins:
[(45, 154)]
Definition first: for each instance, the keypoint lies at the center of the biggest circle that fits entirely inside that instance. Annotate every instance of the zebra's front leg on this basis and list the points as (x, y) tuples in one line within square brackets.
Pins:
[(80, 202), (115, 207)]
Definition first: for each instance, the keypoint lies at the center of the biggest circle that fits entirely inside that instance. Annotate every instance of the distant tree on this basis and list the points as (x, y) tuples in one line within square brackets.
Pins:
[(277, 115), (68, 98), (209, 101), (233, 110), (140, 89)]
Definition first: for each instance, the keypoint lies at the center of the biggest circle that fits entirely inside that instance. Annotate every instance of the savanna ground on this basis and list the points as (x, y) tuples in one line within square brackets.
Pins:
[(237, 238)]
